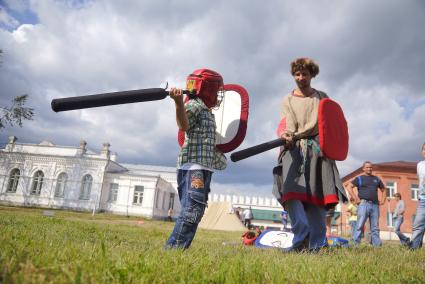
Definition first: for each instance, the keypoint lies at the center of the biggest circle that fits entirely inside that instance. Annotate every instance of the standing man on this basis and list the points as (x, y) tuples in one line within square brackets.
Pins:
[(247, 213), (307, 182), (170, 214), (366, 196), (398, 216)]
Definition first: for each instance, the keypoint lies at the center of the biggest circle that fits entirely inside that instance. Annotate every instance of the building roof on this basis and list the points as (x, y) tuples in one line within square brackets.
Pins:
[(169, 173), (396, 166), (136, 167)]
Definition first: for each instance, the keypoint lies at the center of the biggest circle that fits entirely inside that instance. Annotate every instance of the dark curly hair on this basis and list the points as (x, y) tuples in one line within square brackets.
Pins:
[(305, 63)]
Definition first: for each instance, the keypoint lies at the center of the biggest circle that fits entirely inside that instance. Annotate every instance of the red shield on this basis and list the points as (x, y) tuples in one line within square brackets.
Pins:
[(333, 130)]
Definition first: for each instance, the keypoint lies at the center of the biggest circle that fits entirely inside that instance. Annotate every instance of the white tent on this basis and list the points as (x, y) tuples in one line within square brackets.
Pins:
[(218, 216)]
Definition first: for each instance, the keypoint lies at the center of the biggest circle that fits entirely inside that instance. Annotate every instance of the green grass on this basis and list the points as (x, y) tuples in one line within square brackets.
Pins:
[(72, 247)]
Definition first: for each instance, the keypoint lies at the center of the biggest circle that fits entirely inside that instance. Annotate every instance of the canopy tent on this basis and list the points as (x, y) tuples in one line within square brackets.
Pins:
[(218, 216)]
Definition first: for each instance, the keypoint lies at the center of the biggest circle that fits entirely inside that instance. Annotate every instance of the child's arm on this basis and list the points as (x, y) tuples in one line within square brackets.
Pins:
[(181, 116)]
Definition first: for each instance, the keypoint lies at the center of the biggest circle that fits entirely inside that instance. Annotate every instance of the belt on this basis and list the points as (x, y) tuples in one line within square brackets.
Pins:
[(368, 201)]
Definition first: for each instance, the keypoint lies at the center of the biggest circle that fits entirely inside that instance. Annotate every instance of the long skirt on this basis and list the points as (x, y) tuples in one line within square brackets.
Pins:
[(304, 174)]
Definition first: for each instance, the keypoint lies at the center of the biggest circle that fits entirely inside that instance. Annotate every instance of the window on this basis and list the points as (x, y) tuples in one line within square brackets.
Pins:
[(390, 219), (86, 187), (113, 192), (414, 189), (61, 184), (13, 180), (37, 183), (171, 203), (138, 194), (391, 189)]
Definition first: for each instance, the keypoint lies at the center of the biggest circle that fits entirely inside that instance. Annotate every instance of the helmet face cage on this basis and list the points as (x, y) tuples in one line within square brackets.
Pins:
[(208, 85), (220, 97)]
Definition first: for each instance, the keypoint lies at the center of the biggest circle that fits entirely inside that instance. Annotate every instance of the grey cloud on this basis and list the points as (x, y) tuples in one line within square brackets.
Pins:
[(116, 45)]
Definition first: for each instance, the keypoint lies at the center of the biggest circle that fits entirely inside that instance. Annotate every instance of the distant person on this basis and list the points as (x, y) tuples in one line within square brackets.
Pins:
[(398, 216), (170, 214), (247, 214), (329, 214), (366, 196), (352, 216), (242, 217), (284, 216), (419, 223), (238, 213)]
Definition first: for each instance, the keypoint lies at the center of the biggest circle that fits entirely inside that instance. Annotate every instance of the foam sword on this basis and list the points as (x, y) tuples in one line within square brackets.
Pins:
[(257, 149), (107, 99)]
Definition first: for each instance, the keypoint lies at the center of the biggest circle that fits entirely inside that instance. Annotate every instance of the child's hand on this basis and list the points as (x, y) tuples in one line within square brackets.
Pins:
[(176, 94)]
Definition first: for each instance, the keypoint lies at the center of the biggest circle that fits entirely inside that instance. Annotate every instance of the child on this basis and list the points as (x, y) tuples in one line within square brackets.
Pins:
[(199, 157)]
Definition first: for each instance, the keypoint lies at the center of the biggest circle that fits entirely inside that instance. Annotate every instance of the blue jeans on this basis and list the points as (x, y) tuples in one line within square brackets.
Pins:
[(307, 221), (193, 188), (397, 224), (418, 226), (367, 210)]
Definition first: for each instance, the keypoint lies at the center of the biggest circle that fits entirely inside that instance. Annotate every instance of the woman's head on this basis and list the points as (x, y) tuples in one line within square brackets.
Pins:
[(300, 64)]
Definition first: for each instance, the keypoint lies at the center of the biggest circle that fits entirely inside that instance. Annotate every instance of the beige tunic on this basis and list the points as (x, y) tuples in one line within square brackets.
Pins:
[(302, 114)]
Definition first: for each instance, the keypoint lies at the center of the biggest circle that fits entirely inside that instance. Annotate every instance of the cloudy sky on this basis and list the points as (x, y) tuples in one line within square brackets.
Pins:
[(371, 55)]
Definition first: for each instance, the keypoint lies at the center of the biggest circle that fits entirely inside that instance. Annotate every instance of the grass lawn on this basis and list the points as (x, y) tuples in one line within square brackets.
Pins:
[(72, 247)]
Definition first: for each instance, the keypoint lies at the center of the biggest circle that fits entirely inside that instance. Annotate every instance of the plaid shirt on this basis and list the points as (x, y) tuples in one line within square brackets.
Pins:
[(199, 141)]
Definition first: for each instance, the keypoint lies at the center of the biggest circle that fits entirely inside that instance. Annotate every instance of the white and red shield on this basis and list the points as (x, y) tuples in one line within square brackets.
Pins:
[(333, 130), (231, 119)]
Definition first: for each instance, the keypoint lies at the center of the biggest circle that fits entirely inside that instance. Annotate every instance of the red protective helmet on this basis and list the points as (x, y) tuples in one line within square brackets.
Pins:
[(207, 84)]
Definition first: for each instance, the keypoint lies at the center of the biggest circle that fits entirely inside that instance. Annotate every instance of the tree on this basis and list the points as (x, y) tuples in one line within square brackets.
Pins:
[(16, 113)]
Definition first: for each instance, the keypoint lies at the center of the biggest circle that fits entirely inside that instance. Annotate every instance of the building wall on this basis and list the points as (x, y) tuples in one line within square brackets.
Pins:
[(51, 166), (156, 196), (159, 183), (77, 162)]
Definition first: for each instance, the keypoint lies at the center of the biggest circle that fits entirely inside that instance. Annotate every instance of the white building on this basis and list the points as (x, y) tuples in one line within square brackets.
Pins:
[(51, 176)]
